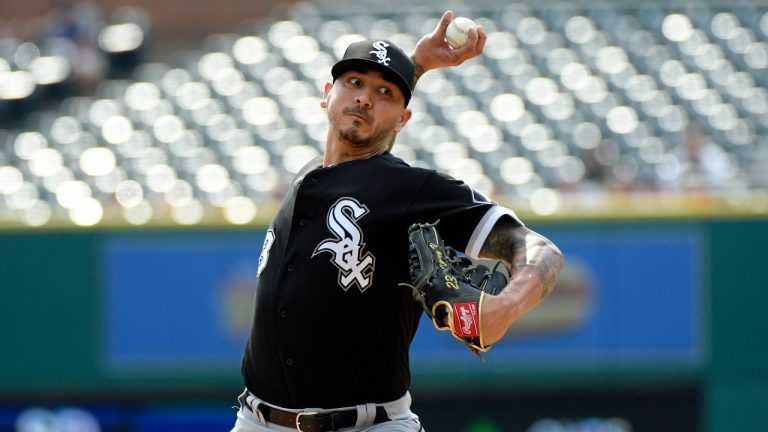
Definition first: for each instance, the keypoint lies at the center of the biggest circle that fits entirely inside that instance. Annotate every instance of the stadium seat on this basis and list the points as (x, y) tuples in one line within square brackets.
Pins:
[(238, 116)]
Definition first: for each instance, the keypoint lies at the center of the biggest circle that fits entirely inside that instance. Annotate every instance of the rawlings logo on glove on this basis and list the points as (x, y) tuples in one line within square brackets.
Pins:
[(451, 288), (467, 319)]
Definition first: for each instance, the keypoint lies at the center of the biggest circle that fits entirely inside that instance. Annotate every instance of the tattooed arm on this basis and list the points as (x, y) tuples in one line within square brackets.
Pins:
[(536, 263), (432, 51)]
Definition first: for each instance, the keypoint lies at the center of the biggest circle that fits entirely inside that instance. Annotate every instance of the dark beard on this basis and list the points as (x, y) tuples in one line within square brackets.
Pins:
[(351, 134)]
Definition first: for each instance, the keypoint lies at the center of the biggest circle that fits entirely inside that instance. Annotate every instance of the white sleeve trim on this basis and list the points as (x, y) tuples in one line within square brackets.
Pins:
[(484, 228)]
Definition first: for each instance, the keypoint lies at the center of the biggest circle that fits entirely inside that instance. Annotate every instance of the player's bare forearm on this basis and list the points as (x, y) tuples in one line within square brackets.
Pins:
[(527, 252), (536, 263), (432, 50)]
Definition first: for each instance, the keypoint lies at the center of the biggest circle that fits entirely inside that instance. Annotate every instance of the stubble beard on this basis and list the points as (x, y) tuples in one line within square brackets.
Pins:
[(352, 133), (353, 136)]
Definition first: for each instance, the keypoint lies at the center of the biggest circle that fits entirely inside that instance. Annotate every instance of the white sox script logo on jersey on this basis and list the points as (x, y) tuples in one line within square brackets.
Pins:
[(347, 248), (380, 52)]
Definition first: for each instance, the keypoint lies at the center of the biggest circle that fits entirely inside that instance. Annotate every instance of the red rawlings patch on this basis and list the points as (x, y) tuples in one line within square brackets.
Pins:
[(466, 319)]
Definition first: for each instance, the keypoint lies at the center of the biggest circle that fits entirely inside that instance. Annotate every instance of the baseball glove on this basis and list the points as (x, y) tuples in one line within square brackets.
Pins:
[(451, 288)]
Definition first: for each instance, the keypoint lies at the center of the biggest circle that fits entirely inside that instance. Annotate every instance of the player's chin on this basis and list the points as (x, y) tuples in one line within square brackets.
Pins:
[(352, 122), (356, 138)]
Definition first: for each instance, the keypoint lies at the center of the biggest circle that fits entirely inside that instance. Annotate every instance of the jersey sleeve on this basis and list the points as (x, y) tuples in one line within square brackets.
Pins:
[(466, 216)]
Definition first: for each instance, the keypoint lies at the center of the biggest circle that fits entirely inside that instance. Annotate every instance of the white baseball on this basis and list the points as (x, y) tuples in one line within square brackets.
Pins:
[(456, 34)]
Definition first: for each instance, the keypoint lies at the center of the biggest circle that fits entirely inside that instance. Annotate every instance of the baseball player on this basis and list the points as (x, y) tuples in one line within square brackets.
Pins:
[(328, 349)]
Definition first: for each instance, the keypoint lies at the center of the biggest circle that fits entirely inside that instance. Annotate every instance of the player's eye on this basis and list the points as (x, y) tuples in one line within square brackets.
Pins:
[(355, 81), (386, 91)]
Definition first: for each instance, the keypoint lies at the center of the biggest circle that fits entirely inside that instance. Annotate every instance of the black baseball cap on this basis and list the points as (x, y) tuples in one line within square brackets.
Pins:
[(383, 56)]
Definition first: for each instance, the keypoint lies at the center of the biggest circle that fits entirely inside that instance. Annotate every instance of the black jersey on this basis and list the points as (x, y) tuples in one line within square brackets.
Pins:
[(331, 326)]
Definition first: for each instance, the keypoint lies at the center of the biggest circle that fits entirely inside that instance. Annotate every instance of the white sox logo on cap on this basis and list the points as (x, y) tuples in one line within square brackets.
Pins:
[(383, 56), (380, 51)]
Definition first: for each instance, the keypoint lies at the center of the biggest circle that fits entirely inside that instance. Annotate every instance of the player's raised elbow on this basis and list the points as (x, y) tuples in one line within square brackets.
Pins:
[(552, 264), (543, 259), (557, 255)]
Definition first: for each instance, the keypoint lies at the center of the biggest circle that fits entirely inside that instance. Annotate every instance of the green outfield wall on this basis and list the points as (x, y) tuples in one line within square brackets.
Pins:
[(69, 327)]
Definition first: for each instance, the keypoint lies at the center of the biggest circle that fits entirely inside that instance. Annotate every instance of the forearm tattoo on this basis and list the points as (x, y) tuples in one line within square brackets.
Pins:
[(418, 71), (522, 248)]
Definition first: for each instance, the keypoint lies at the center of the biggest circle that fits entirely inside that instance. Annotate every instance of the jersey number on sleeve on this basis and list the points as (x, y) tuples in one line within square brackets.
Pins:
[(264, 257)]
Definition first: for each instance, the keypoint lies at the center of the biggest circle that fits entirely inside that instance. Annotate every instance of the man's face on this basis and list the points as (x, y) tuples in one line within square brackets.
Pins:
[(365, 109)]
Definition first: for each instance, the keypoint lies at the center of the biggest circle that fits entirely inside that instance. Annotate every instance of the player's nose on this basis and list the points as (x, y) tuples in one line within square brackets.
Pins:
[(363, 98)]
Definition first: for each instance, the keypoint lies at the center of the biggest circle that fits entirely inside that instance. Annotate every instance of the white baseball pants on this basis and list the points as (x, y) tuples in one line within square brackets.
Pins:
[(250, 419)]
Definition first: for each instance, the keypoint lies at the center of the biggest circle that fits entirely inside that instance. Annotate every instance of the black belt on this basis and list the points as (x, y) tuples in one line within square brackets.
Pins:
[(317, 422)]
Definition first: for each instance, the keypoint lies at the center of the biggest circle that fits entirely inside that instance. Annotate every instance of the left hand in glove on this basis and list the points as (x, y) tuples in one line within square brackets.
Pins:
[(451, 288)]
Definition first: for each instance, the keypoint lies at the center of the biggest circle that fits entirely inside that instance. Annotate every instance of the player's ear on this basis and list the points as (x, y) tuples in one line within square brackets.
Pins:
[(326, 91), (407, 113)]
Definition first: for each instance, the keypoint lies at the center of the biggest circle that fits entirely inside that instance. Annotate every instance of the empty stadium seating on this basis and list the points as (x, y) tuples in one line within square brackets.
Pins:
[(566, 100)]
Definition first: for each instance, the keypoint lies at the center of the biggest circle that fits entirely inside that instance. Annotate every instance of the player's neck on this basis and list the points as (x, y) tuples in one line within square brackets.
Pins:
[(336, 153)]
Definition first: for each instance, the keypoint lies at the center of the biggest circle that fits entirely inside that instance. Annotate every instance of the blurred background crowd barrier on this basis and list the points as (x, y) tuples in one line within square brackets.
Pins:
[(634, 135)]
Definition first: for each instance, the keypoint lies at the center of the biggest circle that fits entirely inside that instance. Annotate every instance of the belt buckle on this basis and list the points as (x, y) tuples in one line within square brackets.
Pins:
[(303, 413)]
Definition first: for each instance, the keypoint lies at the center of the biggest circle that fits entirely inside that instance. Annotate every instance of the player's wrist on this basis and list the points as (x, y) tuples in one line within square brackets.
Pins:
[(418, 68), (496, 317)]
